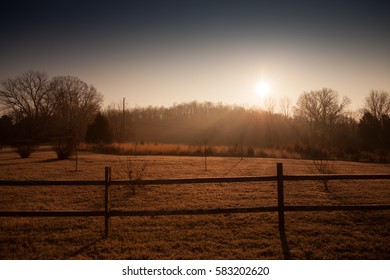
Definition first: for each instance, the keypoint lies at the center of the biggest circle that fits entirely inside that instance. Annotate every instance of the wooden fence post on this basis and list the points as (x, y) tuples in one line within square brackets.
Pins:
[(279, 167), (107, 202)]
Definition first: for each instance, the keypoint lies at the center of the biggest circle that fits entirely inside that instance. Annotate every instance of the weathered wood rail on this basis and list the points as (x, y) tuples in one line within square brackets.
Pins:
[(107, 213)]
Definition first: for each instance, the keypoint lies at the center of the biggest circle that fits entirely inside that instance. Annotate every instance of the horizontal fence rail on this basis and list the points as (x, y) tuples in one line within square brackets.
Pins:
[(140, 182), (50, 183), (335, 177), (84, 213), (280, 208), (197, 180)]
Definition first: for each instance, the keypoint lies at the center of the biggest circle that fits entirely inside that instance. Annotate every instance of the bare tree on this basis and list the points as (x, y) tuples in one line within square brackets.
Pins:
[(285, 107), (29, 100), (377, 103), (321, 109), (135, 174), (77, 104), (324, 167), (321, 112), (41, 107), (28, 96), (269, 104)]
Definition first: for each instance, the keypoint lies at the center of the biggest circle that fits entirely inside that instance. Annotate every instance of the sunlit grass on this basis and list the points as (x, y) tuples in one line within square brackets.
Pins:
[(191, 150), (310, 235)]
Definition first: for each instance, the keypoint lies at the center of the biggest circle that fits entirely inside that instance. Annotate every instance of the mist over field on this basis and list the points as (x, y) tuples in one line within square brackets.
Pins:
[(64, 111)]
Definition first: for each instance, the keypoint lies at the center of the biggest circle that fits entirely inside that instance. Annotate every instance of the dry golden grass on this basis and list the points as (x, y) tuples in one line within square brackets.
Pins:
[(190, 150), (309, 235)]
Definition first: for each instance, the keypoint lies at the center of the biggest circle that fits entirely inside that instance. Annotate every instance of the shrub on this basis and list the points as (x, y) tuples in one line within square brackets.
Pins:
[(64, 147), (324, 167), (24, 148), (134, 173)]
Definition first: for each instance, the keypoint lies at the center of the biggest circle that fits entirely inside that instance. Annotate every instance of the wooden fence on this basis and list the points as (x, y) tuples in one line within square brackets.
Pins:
[(107, 213)]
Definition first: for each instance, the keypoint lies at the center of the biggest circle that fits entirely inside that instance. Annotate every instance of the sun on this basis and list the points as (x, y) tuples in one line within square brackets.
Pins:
[(262, 89)]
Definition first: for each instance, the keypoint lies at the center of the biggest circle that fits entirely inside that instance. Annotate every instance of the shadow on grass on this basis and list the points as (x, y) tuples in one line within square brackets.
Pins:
[(285, 247), (11, 164), (22, 161), (82, 249), (234, 166)]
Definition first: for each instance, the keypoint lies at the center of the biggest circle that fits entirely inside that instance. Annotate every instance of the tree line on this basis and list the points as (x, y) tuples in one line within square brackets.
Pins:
[(39, 107), (319, 124)]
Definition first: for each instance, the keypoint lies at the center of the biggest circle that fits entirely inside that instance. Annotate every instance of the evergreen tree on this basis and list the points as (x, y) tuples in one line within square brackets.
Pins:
[(99, 131), (369, 131)]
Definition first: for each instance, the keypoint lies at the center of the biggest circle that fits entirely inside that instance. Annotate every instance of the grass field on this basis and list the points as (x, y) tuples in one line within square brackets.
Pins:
[(309, 235)]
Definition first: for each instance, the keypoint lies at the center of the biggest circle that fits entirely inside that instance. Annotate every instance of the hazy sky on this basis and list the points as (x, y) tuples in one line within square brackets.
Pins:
[(165, 52)]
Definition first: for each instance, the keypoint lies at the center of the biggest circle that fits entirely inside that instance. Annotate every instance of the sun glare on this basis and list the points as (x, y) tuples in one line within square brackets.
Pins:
[(262, 89)]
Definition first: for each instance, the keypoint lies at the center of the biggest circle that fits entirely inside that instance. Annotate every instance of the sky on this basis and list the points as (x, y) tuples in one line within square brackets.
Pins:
[(164, 52)]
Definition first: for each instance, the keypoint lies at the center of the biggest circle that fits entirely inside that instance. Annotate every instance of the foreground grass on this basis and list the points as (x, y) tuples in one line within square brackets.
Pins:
[(309, 235)]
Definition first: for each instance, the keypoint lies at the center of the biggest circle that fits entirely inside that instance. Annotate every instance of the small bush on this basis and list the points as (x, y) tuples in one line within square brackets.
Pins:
[(324, 167), (134, 173), (24, 148), (64, 147)]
